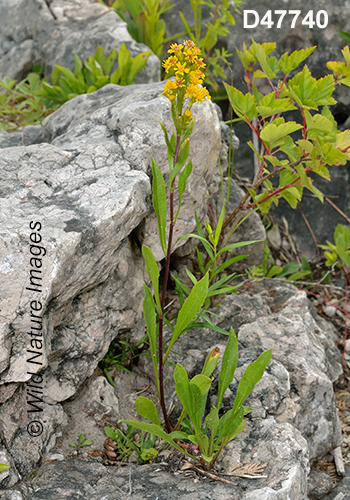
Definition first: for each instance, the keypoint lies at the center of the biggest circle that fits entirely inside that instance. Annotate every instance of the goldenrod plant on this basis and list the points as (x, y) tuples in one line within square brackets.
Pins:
[(209, 433)]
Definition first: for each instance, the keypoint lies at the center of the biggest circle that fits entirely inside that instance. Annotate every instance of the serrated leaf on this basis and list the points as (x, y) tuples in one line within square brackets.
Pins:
[(269, 105), (243, 105), (263, 60), (272, 133), (289, 62)]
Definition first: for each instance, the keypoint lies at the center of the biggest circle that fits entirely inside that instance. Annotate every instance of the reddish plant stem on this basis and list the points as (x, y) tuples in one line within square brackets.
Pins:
[(165, 283)]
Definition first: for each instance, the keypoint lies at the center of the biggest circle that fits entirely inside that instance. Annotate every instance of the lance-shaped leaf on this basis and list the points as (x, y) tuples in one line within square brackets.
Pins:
[(156, 430), (152, 271), (166, 137), (211, 362), (250, 378), (150, 319), (189, 310), (230, 422), (159, 203), (182, 158), (182, 183), (171, 150), (239, 244), (147, 409), (228, 367), (212, 420)]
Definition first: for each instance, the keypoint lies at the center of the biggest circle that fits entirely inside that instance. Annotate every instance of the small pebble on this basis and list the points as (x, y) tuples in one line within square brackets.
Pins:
[(55, 456), (330, 311)]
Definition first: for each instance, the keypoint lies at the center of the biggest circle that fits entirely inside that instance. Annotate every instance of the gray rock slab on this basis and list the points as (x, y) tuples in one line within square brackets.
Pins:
[(49, 33), (86, 191)]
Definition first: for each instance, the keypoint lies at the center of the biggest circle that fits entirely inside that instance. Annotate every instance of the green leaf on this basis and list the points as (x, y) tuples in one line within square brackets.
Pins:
[(230, 422), (239, 244), (229, 262), (203, 382), (263, 60), (182, 183), (345, 35), (159, 203), (269, 105), (4, 467), (182, 158), (211, 362), (137, 64), (156, 430), (272, 133), (212, 420), (243, 105), (190, 309), (152, 271), (250, 378), (86, 443), (219, 226), (150, 319), (147, 409), (289, 62), (228, 367)]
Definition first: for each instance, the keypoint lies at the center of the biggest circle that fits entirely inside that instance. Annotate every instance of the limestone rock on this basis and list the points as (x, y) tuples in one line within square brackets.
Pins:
[(84, 197), (38, 31)]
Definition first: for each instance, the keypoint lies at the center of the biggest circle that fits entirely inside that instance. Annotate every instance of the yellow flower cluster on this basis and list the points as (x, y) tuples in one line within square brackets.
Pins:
[(187, 65)]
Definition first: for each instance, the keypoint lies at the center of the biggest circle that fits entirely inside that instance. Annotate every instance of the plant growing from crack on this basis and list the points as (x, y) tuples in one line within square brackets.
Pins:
[(82, 442), (209, 435)]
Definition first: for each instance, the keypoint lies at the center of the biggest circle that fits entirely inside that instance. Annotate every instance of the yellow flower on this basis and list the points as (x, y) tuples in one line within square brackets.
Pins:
[(179, 82), (175, 48), (187, 67), (196, 93), (189, 44), (181, 69), (196, 77), (199, 63), (190, 57), (170, 63), (170, 85)]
